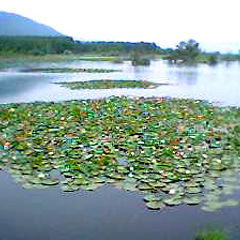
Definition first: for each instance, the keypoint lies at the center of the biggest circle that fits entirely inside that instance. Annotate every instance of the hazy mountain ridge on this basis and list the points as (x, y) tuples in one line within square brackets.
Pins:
[(12, 24)]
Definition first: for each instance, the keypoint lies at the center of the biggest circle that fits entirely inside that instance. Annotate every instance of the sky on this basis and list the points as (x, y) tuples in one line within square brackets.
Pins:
[(213, 23)]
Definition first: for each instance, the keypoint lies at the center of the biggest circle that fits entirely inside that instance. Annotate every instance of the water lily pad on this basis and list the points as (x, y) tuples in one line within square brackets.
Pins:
[(68, 174), (110, 181), (129, 186), (193, 190), (144, 186), (115, 176), (28, 186), (192, 200), (211, 206), (192, 184), (91, 187), (50, 182), (155, 205), (173, 201), (229, 203), (69, 188), (158, 184), (40, 186), (35, 180), (151, 197)]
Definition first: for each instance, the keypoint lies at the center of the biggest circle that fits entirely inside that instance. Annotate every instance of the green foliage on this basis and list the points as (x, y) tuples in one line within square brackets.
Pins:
[(185, 52), (211, 235), (66, 45), (35, 45)]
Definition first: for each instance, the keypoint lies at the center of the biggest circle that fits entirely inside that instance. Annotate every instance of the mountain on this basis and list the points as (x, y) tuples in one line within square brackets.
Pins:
[(12, 24)]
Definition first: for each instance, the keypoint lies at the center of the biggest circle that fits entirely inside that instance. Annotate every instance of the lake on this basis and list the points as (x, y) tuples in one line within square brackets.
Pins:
[(105, 214), (108, 213), (219, 83)]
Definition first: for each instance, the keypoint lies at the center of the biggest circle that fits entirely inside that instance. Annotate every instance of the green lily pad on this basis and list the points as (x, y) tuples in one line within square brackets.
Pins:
[(192, 200), (35, 181), (193, 190), (115, 176), (50, 182), (68, 174), (158, 185), (110, 181), (129, 186), (144, 186), (155, 205), (173, 201), (151, 198), (91, 187), (69, 188)]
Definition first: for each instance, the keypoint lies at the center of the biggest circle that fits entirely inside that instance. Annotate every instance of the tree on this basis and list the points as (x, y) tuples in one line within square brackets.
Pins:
[(187, 51)]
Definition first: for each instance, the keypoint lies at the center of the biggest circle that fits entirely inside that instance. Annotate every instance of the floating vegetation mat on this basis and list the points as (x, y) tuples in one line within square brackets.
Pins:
[(69, 70), (107, 84), (174, 151)]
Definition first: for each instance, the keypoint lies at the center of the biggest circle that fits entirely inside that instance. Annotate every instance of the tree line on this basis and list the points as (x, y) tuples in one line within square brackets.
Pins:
[(185, 51), (61, 45)]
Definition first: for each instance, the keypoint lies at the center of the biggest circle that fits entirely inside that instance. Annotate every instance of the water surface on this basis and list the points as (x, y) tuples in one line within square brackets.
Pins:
[(104, 214), (108, 213), (214, 83)]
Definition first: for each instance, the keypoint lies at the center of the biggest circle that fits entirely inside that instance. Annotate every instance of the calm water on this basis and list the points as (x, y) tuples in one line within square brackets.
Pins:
[(215, 83), (103, 214), (108, 213)]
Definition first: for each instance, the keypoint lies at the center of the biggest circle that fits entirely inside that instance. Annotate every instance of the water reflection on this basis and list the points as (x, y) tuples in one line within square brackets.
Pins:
[(185, 77), (104, 214), (12, 84), (214, 83)]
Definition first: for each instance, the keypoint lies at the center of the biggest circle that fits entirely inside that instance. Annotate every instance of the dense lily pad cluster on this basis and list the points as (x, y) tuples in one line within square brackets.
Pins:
[(70, 70), (174, 151), (109, 84)]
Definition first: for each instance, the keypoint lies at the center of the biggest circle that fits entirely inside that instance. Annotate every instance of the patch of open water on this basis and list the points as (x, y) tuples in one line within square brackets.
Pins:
[(106, 213)]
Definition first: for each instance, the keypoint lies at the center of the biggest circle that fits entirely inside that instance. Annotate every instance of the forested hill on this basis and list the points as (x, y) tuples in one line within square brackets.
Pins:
[(15, 25)]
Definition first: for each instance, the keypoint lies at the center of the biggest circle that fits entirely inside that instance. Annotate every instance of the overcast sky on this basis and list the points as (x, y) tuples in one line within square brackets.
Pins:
[(210, 22)]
